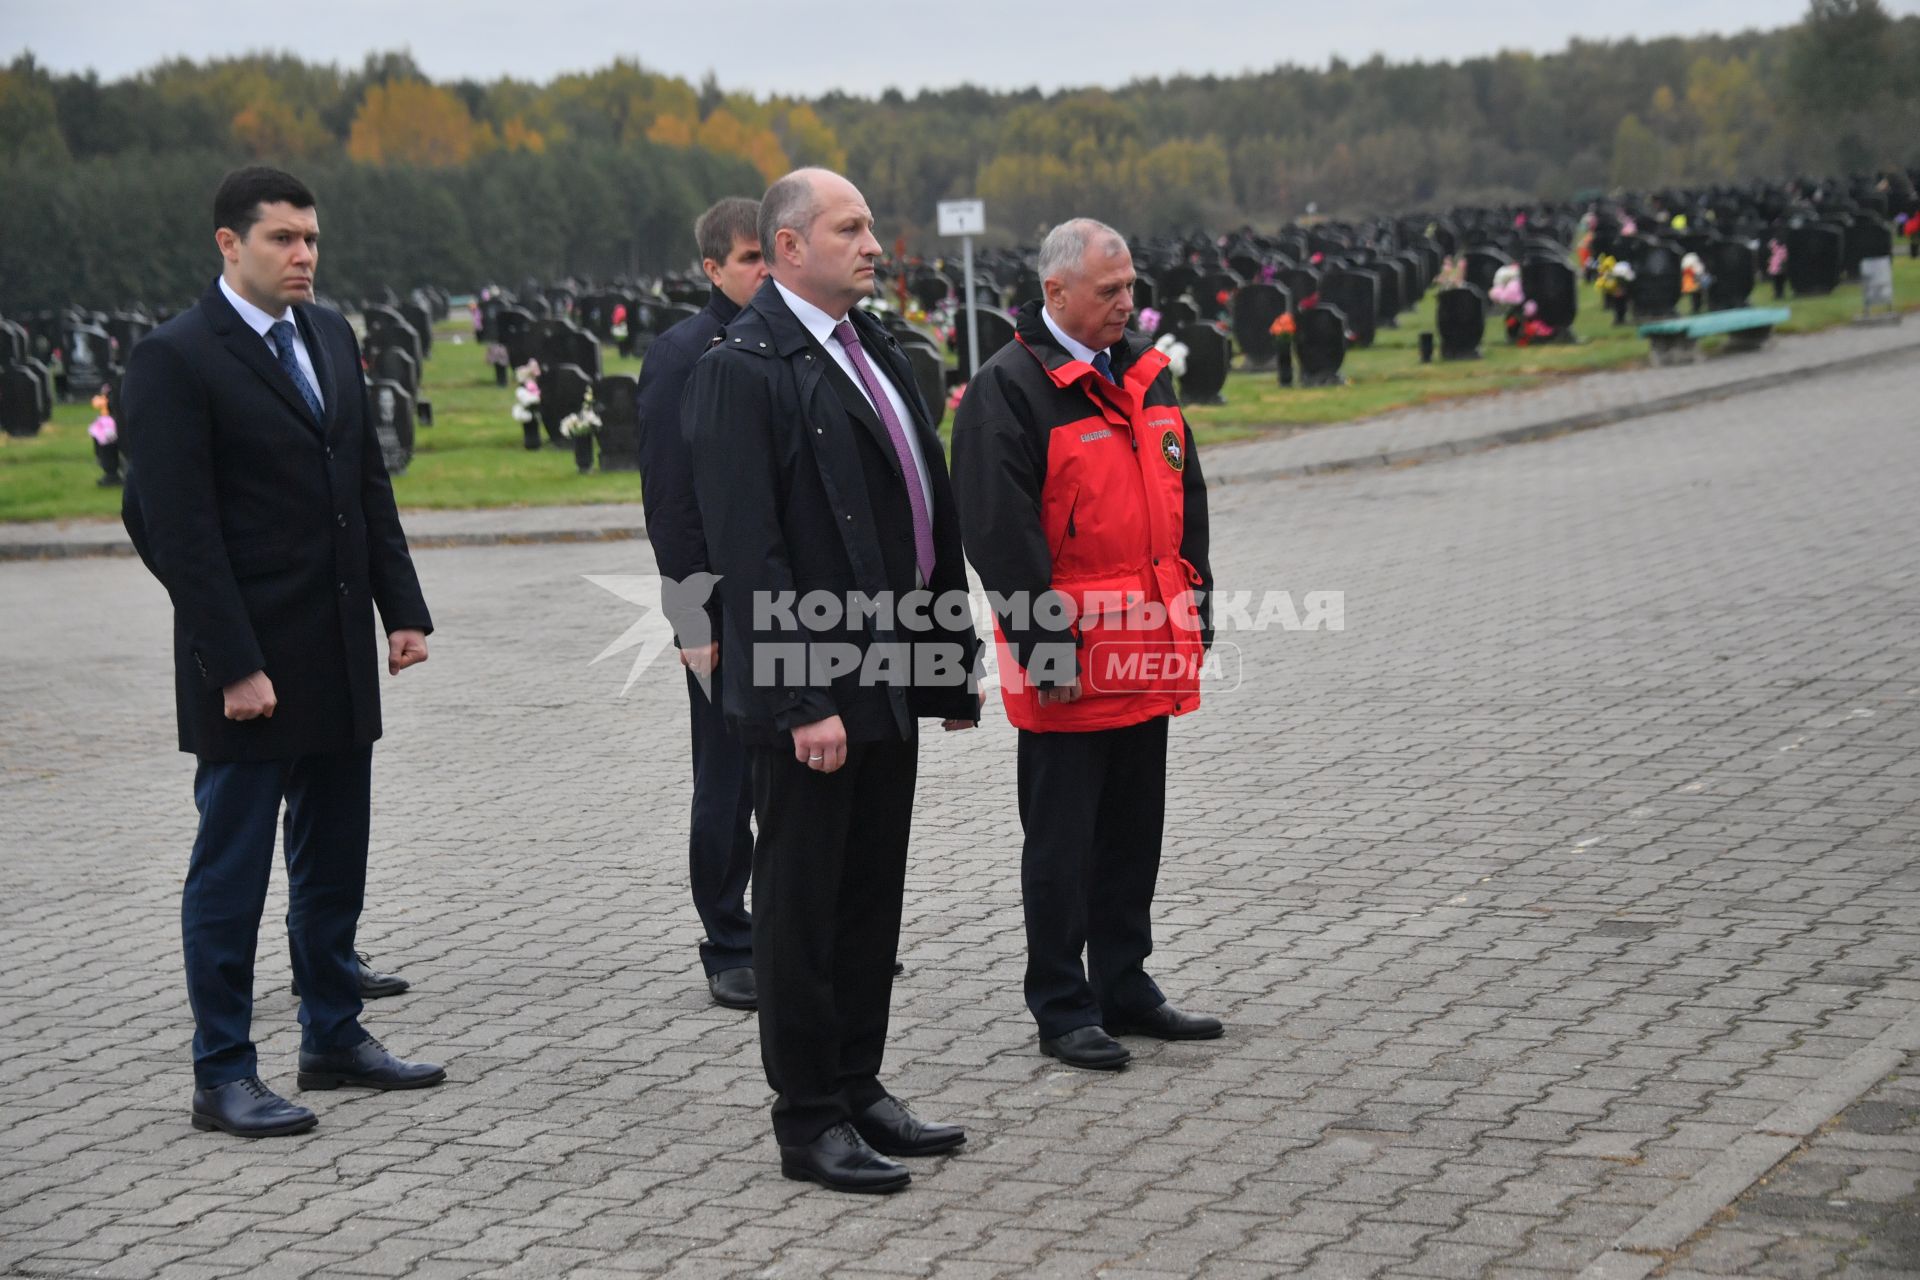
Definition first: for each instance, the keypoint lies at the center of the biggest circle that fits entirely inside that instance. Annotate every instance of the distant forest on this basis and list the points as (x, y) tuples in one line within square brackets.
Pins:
[(107, 186)]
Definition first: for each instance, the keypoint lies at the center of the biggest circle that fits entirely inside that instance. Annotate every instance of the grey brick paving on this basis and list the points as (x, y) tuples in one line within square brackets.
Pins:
[(1587, 844)]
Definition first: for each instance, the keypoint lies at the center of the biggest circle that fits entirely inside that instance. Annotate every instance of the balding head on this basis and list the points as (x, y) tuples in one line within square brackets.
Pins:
[(817, 234)]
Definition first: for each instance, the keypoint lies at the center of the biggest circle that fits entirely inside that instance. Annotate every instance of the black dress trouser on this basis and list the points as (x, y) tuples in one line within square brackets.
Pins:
[(1093, 806), (829, 869)]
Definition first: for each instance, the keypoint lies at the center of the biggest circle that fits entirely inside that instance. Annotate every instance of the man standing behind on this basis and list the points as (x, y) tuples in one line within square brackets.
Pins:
[(819, 474), (720, 846), (258, 498), (1076, 475)]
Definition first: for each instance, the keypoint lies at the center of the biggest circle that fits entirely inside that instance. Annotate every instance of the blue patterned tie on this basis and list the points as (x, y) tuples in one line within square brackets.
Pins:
[(282, 335), (1104, 367)]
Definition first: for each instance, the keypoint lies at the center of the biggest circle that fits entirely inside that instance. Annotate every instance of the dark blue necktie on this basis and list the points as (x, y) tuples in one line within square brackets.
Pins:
[(282, 335), (1104, 367)]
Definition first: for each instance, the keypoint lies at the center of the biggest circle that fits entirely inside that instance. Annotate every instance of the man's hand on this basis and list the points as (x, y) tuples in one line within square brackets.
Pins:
[(954, 726), (1060, 696), (404, 649), (701, 659), (822, 745), (250, 697)]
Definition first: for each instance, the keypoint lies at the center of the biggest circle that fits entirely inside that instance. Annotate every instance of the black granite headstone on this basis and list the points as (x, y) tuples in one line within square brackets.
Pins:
[(563, 389), (616, 398), (995, 329), (1554, 290), (1460, 315), (1320, 344), (1209, 353), (20, 394), (1816, 254), (1356, 293), (1731, 264), (1255, 308)]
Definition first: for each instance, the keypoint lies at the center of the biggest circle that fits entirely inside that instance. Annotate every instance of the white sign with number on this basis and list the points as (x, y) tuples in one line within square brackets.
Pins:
[(1876, 282), (963, 217)]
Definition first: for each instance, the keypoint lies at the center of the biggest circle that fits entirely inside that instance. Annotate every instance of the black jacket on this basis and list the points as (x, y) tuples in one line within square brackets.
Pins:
[(800, 491), (275, 535), (666, 463)]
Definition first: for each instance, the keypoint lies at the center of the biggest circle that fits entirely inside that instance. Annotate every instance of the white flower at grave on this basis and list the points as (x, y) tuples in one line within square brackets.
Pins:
[(584, 421), (1176, 354)]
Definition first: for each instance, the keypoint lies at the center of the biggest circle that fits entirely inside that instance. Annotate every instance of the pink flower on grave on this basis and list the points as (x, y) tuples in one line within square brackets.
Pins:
[(104, 430), (1149, 319)]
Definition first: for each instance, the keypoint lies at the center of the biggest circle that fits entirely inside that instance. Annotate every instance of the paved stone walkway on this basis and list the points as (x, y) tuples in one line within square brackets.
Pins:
[(1534, 898)]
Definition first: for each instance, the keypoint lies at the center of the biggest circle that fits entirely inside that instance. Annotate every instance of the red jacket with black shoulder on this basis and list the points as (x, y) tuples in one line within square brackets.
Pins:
[(1083, 508)]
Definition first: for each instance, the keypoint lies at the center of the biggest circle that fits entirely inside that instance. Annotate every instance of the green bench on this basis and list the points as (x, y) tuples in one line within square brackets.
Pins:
[(1747, 329)]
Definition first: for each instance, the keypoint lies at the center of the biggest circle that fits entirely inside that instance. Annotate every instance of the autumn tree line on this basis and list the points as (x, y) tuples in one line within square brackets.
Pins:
[(104, 185)]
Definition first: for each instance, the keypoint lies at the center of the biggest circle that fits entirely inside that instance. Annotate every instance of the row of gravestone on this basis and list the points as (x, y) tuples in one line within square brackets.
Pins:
[(564, 389)]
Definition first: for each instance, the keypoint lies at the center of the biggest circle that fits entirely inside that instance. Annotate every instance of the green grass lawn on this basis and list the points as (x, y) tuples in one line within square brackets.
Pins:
[(473, 456)]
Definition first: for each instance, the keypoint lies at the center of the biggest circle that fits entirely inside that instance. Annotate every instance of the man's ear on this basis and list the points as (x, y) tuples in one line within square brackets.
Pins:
[(227, 240)]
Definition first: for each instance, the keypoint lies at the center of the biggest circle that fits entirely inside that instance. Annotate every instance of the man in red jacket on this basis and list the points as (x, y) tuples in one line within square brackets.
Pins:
[(1083, 508)]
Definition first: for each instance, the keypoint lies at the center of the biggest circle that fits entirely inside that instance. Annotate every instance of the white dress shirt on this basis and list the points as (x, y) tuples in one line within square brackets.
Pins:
[(1070, 344), (259, 321), (821, 325)]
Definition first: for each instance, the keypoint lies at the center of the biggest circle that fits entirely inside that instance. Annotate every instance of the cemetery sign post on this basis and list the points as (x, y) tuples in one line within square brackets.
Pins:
[(966, 219)]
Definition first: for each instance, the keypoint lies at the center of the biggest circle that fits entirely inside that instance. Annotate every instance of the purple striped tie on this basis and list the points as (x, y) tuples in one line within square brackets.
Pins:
[(916, 498)]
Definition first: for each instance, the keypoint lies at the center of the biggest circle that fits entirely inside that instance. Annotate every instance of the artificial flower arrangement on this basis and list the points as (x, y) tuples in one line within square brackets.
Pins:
[(1693, 275), (1176, 351), (526, 396), (1283, 326), (1506, 289), (103, 429), (1149, 320), (583, 421), (1453, 272), (618, 329), (1613, 276), (1777, 256)]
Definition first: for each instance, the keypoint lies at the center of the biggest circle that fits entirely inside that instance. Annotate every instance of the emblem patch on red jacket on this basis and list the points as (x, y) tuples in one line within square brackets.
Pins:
[(1170, 450)]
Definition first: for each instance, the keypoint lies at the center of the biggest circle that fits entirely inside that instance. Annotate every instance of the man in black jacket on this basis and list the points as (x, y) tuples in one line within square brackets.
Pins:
[(258, 498), (823, 491), (720, 841)]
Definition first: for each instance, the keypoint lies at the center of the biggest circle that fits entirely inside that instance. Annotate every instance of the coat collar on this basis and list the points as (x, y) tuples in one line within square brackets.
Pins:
[(241, 339), (1031, 330)]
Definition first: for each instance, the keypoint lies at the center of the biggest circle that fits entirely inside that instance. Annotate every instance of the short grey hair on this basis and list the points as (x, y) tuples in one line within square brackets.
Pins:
[(789, 205), (1065, 247)]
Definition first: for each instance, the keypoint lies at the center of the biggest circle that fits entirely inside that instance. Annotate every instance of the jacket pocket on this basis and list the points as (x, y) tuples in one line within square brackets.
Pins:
[(256, 557), (1121, 631)]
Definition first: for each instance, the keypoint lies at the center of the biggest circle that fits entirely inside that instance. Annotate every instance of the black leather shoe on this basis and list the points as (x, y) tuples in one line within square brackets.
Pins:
[(892, 1130), (1088, 1047), (249, 1109), (1168, 1023), (841, 1160), (734, 988), (373, 983), (367, 1065)]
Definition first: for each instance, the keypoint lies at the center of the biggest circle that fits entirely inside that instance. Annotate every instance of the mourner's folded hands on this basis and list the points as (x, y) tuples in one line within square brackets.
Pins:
[(404, 649), (250, 697), (1069, 692), (821, 745)]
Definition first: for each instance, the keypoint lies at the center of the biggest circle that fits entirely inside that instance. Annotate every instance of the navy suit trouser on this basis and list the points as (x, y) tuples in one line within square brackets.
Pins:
[(720, 847), (328, 800), (1093, 806)]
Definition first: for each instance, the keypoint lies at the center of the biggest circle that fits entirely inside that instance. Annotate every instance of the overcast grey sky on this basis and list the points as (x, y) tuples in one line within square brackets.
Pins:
[(762, 47)]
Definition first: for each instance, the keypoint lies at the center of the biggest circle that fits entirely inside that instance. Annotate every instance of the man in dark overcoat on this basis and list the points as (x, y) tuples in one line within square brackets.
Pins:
[(258, 497)]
